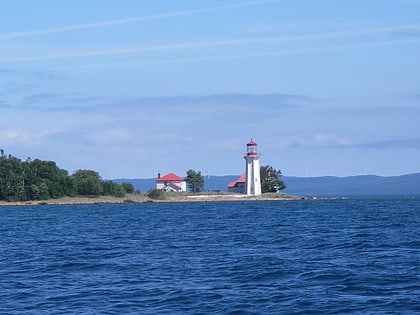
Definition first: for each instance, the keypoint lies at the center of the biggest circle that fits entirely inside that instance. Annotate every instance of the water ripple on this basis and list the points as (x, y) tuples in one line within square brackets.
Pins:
[(302, 257)]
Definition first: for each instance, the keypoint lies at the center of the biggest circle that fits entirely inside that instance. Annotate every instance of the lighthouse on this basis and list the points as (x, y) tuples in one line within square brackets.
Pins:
[(252, 170)]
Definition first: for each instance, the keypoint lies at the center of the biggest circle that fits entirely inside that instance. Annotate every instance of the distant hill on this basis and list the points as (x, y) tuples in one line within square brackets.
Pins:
[(364, 185), (354, 185)]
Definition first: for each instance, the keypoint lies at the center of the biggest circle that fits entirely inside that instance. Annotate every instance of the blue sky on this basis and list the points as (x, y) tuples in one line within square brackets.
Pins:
[(130, 88)]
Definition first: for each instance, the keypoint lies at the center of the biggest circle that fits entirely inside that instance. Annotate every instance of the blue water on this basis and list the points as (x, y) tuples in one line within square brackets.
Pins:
[(356, 256)]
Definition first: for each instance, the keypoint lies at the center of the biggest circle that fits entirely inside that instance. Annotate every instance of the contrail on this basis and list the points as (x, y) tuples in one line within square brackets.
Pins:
[(250, 55), (232, 42), (130, 20)]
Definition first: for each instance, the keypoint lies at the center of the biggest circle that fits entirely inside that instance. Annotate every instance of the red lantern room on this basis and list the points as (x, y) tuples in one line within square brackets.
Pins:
[(251, 148)]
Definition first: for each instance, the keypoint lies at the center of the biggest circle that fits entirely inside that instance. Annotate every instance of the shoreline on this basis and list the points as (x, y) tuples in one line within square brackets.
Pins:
[(139, 198)]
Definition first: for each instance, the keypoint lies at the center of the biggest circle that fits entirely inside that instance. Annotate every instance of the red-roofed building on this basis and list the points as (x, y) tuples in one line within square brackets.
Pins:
[(171, 182), (237, 186)]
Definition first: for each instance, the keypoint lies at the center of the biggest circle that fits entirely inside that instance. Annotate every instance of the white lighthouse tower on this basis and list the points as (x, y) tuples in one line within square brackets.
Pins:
[(252, 170)]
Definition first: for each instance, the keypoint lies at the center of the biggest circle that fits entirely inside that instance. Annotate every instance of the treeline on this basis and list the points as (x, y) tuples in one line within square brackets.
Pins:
[(41, 180)]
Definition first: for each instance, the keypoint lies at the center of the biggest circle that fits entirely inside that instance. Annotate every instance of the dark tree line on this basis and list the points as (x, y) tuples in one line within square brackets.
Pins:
[(40, 180)]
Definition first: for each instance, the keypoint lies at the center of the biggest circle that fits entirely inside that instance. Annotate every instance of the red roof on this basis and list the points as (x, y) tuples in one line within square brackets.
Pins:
[(170, 177), (240, 180), (252, 142)]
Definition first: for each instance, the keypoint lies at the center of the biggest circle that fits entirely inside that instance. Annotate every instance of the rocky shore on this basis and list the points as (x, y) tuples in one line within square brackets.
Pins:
[(140, 198)]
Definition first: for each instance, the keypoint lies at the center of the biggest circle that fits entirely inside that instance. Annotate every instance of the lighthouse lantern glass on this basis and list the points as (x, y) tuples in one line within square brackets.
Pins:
[(252, 149)]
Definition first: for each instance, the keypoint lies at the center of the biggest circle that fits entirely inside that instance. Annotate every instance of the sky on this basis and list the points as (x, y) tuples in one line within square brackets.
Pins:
[(132, 88)]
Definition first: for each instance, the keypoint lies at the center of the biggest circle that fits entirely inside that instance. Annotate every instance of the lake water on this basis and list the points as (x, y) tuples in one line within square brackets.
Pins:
[(355, 256)]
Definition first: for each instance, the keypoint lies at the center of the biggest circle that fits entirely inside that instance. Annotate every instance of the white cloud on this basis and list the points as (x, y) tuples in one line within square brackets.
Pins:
[(22, 136), (323, 139)]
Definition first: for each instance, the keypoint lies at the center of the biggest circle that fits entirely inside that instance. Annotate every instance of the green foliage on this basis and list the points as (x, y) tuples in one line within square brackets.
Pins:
[(270, 179), (40, 180), (155, 194), (12, 179), (195, 181), (113, 189), (129, 188), (88, 183), (85, 174)]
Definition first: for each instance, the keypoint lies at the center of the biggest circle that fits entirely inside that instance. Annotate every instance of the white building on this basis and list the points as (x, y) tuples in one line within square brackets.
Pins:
[(171, 182)]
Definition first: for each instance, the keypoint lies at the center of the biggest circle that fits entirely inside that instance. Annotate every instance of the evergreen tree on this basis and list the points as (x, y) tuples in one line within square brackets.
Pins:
[(195, 181), (270, 179)]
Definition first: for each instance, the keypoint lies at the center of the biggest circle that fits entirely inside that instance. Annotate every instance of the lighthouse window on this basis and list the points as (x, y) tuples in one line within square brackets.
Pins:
[(252, 149)]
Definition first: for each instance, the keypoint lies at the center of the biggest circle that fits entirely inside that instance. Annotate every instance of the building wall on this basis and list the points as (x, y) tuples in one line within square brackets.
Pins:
[(239, 188), (162, 186), (253, 180)]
